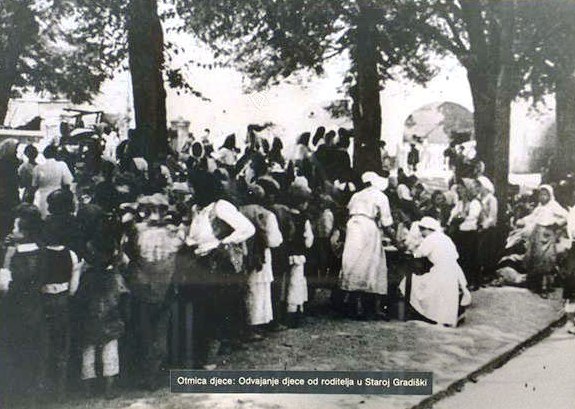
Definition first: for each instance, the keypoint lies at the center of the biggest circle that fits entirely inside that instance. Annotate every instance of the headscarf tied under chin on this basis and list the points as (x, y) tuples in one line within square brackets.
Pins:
[(550, 213), (550, 191)]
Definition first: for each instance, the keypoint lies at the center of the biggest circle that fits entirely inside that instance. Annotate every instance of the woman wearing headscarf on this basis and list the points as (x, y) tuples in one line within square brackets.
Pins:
[(48, 177), (258, 297), (301, 149), (364, 266), (9, 187), (227, 155), (212, 279), (199, 160), (434, 295), (488, 237), (464, 226), (543, 229), (275, 155)]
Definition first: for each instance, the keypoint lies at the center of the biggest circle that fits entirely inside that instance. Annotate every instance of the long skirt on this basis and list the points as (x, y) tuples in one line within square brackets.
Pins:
[(467, 243), (364, 267), (258, 295), (296, 293), (259, 303), (435, 295), (541, 258)]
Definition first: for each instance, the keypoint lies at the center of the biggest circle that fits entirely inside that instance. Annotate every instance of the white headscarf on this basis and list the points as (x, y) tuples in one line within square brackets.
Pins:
[(430, 223), (375, 180), (551, 212)]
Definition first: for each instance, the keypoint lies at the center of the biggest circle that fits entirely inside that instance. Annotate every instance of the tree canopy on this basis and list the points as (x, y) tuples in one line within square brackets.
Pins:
[(270, 41), (45, 52)]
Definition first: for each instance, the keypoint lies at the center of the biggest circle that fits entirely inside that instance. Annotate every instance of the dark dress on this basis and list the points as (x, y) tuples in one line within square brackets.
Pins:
[(98, 302), (22, 326)]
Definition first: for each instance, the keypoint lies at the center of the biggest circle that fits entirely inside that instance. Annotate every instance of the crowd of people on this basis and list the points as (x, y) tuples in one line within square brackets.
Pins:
[(114, 265)]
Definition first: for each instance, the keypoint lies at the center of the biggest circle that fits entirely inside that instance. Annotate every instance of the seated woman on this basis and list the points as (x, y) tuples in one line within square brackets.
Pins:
[(434, 295)]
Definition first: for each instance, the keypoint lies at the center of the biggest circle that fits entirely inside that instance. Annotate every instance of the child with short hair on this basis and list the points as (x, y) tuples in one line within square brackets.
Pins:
[(22, 328), (296, 294), (100, 322)]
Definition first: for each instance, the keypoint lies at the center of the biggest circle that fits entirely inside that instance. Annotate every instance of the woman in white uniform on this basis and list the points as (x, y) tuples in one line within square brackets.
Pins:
[(435, 294), (364, 267), (48, 177)]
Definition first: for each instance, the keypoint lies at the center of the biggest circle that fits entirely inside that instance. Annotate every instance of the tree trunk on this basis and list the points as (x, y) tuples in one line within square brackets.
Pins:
[(506, 80), (565, 118), (367, 107), (146, 57), (484, 95)]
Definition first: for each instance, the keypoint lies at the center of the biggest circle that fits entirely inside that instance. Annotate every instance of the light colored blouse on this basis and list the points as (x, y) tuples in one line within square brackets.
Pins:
[(372, 203), (490, 208), (226, 157), (202, 232), (470, 212), (438, 248), (51, 174)]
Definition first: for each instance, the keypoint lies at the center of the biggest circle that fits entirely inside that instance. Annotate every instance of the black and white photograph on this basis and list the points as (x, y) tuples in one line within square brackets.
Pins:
[(277, 204)]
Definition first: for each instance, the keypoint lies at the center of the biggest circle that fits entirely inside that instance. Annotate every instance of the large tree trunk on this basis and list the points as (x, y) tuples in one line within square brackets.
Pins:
[(146, 56), (506, 82), (367, 107), (484, 95), (565, 118), (493, 81)]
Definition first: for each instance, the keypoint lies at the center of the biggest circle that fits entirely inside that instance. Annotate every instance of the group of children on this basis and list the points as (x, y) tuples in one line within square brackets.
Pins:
[(153, 265)]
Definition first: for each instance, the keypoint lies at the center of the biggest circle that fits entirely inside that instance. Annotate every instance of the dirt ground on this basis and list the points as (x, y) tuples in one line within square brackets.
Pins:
[(498, 319)]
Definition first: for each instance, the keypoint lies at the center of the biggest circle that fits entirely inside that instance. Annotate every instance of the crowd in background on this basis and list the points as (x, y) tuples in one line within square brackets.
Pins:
[(174, 263)]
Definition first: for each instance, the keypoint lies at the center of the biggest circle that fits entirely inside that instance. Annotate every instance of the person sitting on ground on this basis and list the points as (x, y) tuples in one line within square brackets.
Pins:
[(435, 295)]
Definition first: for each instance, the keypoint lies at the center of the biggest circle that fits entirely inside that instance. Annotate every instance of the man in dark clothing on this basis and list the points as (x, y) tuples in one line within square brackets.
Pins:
[(413, 158)]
